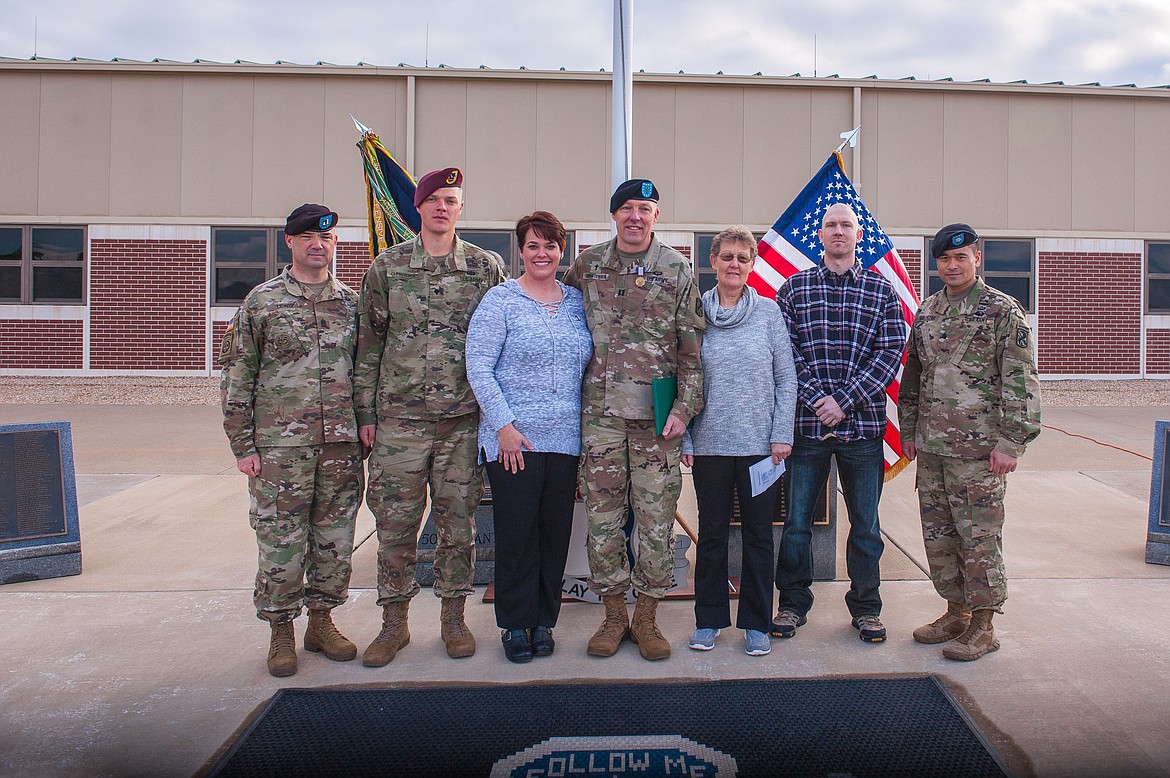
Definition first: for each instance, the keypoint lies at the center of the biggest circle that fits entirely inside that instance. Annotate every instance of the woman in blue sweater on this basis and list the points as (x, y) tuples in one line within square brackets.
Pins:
[(527, 347), (749, 388)]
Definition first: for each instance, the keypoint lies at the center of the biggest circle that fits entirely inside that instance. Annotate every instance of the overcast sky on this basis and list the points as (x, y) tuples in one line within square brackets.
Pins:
[(1075, 41)]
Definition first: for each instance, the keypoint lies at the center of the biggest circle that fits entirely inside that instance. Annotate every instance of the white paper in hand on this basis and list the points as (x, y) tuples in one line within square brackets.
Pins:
[(764, 474)]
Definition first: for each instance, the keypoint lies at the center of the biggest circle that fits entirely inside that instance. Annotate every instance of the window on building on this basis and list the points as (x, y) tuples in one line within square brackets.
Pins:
[(702, 259), (243, 257), (1008, 265), (42, 265), (1158, 277), (504, 244)]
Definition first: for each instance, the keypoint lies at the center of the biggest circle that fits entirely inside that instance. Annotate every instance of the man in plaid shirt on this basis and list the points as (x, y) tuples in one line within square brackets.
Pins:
[(848, 336)]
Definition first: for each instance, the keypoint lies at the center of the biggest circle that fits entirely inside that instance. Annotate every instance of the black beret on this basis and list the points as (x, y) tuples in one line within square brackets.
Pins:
[(436, 179), (310, 217), (634, 189), (952, 236)]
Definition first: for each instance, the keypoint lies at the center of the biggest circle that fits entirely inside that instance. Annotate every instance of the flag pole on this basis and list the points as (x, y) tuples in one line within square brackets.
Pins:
[(623, 91)]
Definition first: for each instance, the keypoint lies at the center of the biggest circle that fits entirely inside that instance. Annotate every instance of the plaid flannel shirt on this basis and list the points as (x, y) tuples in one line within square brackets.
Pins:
[(848, 337)]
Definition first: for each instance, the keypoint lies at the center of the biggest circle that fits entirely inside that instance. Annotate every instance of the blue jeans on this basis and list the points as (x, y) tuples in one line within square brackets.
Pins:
[(860, 473)]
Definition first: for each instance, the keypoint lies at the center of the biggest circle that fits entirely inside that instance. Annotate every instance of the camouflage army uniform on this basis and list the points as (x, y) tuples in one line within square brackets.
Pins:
[(640, 333), (287, 395), (969, 387), (411, 381)]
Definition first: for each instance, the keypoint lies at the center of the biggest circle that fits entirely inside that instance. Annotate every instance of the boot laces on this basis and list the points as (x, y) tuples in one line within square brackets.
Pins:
[(283, 640)]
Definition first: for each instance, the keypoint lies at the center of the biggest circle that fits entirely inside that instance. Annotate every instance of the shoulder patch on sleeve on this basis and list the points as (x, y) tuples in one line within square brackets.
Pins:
[(1022, 337), (228, 343)]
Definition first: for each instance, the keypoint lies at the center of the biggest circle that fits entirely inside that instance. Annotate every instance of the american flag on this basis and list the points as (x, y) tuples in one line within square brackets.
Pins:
[(793, 245)]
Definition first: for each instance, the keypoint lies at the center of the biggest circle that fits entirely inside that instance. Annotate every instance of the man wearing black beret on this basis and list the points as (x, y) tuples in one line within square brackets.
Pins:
[(643, 311), (288, 412), (969, 404)]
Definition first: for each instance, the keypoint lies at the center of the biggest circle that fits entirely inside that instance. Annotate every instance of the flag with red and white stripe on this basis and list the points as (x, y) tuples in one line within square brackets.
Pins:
[(793, 245)]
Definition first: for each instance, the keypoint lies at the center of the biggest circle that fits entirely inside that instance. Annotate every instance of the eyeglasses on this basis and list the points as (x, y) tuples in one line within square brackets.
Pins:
[(742, 259)]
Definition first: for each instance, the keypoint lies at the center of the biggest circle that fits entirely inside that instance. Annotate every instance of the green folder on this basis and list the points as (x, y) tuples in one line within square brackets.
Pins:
[(665, 391)]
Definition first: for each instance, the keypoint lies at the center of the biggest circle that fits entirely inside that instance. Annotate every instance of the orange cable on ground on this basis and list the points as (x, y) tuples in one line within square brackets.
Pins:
[(1094, 440)]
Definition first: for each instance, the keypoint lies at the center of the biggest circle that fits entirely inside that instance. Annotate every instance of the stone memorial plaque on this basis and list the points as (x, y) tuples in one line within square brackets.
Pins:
[(1158, 532), (39, 536), (824, 530)]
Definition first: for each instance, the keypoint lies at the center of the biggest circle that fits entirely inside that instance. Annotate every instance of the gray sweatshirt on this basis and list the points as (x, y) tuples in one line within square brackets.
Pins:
[(526, 367), (749, 381)]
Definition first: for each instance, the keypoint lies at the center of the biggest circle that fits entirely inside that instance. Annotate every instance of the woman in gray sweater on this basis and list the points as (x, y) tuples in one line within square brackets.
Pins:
[(749, 388), (527, 347)]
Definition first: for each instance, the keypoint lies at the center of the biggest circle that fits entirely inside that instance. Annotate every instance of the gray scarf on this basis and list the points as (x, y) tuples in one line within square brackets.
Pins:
[(725, 318)]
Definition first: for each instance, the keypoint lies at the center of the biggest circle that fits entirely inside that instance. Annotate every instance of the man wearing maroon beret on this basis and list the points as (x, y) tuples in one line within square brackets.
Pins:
[(416, 411)]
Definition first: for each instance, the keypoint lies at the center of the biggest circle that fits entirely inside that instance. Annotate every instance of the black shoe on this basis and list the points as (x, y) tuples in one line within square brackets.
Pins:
[(516, 645), (870, 628), (542, 641)]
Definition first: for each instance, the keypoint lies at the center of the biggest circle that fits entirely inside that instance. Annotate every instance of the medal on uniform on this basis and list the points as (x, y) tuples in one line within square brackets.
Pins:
[(640, 281)]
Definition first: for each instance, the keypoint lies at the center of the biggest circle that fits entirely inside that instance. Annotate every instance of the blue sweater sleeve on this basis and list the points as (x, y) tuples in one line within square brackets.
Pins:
[(784, 376), (485, 342)]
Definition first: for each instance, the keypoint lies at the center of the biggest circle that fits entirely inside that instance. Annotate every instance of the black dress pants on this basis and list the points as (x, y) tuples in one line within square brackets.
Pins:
[(716, 480), (533, 512)]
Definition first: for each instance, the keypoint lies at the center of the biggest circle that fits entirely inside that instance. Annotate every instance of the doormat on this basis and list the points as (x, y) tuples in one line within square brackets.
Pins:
[(853, 726)]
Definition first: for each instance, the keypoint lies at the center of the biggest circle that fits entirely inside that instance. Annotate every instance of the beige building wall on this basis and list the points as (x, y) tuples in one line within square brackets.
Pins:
[(243, 144)]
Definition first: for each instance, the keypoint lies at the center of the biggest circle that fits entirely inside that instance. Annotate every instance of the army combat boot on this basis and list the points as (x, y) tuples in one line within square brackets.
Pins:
[(644, 630), (282, 649), (613, 630), (979, 639), (323, 636), (394, 635), (946, 627), (456, 636)]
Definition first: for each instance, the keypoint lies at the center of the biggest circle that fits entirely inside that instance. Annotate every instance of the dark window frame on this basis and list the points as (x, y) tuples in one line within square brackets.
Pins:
[(701, 257), (1162, 278), (276, 256), (512, 262), (989, 276), (28, 263)]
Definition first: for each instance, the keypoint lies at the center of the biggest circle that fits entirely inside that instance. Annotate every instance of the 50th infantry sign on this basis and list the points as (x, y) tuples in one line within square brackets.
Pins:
[(39, 536)]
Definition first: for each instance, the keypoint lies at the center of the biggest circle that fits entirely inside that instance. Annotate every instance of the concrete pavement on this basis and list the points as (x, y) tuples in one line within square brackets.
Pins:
[(148, 662)]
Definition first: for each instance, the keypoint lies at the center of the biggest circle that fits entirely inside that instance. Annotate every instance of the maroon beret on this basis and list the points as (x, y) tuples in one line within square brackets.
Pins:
[(436, 179)]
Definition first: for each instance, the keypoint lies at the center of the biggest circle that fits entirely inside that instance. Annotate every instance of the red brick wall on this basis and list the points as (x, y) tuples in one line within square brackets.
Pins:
[(1090, 314), (1158, 352), (148, 304), (352, 261), (912, 260), (217, 330), (32, 344)]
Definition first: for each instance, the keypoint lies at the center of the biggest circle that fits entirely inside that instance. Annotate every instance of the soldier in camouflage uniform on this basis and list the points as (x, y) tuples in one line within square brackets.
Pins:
[(643, 309), (287, 395), (969, 403), (415, 408)]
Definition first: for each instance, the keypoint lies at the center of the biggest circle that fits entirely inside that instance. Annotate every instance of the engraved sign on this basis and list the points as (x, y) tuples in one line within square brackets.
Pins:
[(39, 533), (1158, 533), (32, 491)]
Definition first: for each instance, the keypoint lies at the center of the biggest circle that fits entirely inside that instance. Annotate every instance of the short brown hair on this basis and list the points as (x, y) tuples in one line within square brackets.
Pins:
[(734, 234), (544, 224)]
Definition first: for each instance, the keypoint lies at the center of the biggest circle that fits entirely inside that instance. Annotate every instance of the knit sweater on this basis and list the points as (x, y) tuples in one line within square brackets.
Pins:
[(749, 381), (525, 367)]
